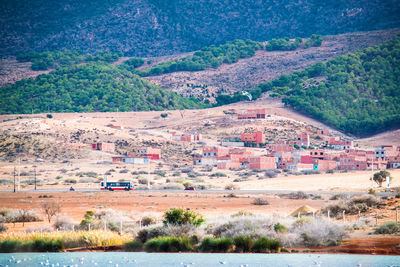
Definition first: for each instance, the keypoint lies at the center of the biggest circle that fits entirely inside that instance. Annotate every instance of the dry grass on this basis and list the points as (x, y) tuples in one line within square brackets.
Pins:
[(73, 239)]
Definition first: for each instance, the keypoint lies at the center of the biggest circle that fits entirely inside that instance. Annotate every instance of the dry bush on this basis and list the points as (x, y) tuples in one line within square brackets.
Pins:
[(251, 226), (148, 220), (231, 187), (171, 186), (388, 228), (340, 196), (51, 209), (181, 230), (41, 229), (320, 232), (242, 213), (270, 174), (3, 227), (63, 223), (143, 181), (260, 201), (298, 195), (353, 206), (22, 215)]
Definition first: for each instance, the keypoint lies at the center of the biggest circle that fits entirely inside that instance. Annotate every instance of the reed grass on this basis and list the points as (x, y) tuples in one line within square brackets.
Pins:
[(64, 239)]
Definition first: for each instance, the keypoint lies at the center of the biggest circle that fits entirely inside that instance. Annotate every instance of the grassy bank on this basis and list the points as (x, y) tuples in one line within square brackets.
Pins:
[(58, 241)]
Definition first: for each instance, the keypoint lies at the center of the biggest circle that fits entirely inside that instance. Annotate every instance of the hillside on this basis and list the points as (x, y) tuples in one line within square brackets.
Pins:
[(358, 93), (88, 87), (265, 65), (158, 27)]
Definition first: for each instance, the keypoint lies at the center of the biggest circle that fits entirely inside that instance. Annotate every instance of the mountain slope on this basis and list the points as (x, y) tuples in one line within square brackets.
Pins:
[(86, 88), (358, 93), (158, 27), (265, 66)]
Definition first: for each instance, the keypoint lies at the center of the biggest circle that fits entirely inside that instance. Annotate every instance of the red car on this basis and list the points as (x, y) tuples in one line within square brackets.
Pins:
[(191, 188)]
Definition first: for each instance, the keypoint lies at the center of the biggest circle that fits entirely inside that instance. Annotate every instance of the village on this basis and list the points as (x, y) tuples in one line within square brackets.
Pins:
[(253, 151)]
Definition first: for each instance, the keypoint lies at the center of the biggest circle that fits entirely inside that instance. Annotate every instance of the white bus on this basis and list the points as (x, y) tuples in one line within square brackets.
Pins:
[(111, 186)]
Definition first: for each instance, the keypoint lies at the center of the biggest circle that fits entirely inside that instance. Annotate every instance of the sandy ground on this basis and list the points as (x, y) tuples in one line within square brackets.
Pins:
[(67, 137)]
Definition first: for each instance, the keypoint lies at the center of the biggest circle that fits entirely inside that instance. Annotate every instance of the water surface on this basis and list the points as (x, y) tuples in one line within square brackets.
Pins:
[(118, 259)]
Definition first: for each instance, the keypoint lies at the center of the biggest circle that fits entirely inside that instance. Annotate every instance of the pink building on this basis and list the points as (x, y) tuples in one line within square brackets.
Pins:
[(213, 152), (279, 147), (256, 137), (306, 159), (262, 163), (385, 152), (303, 139), (317, 153), (148, 152), (252, 114), (350, 162), (193, 137), (323, 132), (341, 145), (325, 165), (106, 147)]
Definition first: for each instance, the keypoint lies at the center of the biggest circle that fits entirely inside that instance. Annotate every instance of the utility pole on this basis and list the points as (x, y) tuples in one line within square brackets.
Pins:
[(19, 174), (34, 169), (14, 178)]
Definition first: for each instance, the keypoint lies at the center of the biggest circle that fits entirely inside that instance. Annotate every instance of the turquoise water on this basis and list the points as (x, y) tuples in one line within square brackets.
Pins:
[(118, 259)]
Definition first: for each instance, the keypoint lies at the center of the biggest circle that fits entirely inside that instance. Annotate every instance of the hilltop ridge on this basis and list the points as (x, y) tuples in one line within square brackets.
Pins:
[(159, 27)]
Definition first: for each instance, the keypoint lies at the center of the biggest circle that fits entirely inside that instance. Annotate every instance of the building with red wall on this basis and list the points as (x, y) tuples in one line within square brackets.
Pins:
[(255, 137), (148, 152), (325, 165), (263, 163), (106, 147), (252, 114), (385, 152), (192, 137), (303, 139)]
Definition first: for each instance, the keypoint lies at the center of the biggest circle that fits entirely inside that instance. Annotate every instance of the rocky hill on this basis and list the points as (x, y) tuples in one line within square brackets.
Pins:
[(159, 27)]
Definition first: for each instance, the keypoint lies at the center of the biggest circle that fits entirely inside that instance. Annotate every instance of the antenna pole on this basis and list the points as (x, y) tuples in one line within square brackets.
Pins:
[(14, 178)]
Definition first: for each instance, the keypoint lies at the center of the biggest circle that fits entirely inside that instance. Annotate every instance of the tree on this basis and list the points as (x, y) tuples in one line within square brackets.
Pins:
[(164, 115), (381, 176), (179, 216), (51, 209)]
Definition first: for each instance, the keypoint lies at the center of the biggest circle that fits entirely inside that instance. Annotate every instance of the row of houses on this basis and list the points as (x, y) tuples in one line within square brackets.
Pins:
[(233, 158), (257, 139), (300, 160)]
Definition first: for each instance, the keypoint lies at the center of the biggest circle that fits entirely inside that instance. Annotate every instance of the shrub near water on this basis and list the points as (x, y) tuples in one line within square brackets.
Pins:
[(134, 245), (169, 244), (36, 245), (243, 243), (264, 244), (388, 228), (68, 239), (210, 244)]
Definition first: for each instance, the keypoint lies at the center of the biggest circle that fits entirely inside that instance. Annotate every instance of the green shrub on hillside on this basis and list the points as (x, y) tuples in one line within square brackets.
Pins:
[(89, 88), (210, 56)]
